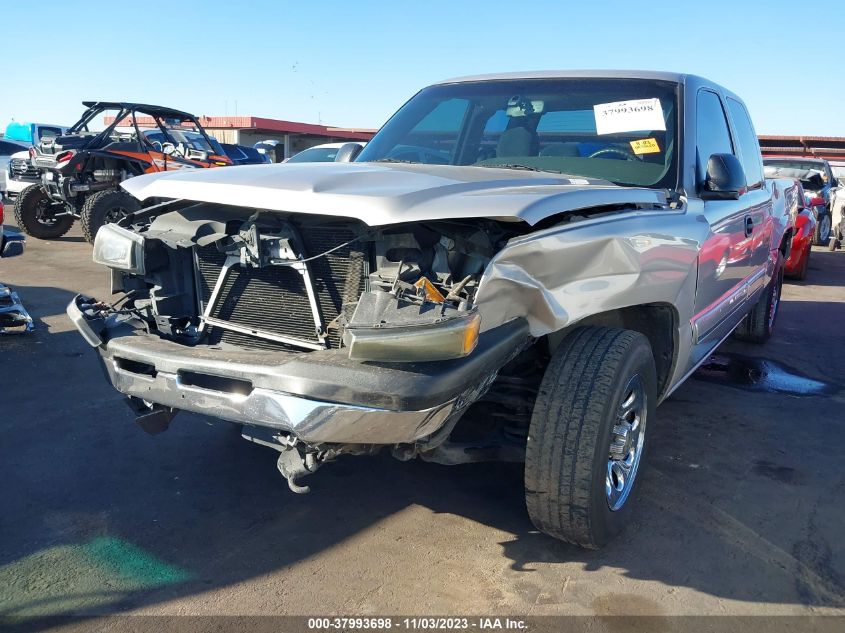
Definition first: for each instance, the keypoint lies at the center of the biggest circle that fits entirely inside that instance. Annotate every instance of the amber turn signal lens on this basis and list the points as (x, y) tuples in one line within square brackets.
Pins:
[(454, 338), (431, 293), (471, 334)]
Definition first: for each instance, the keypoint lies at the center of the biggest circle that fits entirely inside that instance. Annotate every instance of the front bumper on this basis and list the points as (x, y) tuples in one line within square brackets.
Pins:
[(319, 397), (15, 186)]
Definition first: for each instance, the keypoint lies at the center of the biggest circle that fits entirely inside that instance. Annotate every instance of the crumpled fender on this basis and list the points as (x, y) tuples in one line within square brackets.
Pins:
[(558, 276)]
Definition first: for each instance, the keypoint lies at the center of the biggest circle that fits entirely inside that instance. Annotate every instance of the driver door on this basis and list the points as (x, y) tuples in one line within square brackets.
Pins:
[(726, 255)]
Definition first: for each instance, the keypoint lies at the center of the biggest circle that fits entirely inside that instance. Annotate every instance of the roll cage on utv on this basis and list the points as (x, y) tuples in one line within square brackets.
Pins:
[(81, 170)]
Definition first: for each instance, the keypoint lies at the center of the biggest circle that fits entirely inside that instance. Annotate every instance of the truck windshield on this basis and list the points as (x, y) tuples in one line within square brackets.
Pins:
[(621, 130)]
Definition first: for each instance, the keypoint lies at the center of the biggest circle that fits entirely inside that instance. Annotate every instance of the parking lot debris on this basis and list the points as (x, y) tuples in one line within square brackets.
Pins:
[(14, 319), (152, 418), (761, 374)]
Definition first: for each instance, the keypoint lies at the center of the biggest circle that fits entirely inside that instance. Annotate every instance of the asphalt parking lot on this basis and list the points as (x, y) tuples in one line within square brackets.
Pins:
[(740, 510)]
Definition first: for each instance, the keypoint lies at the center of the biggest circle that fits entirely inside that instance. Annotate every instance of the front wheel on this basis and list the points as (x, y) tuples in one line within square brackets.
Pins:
[(587, 435), (759, 325), (105, 207), (39, 216), (822, 235)]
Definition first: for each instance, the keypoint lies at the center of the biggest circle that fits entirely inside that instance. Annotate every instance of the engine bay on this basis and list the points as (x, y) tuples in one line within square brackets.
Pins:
[(219, 276)]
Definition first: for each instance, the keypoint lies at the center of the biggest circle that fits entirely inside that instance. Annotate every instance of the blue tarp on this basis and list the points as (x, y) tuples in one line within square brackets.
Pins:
[(19, 132)]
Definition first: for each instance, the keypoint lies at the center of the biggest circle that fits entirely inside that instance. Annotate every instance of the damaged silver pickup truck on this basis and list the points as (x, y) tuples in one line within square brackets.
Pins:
[(516, 267)]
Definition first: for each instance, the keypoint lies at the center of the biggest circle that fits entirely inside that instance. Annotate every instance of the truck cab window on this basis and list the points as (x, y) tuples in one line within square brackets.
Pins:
[(711, 131), (749, 147)]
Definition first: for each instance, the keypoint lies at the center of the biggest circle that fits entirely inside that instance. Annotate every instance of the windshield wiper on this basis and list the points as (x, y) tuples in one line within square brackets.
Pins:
[(512, 166), (527, 168), (518, 166)]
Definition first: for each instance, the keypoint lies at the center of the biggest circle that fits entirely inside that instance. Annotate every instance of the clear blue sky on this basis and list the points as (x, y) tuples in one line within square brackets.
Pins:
[(353, 63)]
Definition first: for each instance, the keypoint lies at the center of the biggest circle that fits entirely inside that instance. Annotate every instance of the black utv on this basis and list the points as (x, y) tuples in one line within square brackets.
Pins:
[(81, 171)]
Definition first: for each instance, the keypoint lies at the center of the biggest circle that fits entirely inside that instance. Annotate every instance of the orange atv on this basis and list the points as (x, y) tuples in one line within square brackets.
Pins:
[(81, 171)]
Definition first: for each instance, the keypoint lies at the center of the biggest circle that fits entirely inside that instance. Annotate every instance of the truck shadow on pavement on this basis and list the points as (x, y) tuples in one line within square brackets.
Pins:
[(821, 262), (97, 517)]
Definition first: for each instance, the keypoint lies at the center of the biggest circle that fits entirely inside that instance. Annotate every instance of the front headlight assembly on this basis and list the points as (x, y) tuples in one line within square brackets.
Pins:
[(120, 249), (454, 337), (387, 329)]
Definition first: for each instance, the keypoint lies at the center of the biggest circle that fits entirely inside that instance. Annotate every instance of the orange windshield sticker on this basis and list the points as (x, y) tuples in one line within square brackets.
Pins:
[(645, 146)]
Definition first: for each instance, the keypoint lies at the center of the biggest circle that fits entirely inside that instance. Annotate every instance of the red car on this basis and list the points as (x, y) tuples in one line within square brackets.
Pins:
[(802, 237)]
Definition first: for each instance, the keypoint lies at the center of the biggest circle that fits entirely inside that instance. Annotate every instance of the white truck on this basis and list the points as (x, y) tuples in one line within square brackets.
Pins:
[(18, 171)]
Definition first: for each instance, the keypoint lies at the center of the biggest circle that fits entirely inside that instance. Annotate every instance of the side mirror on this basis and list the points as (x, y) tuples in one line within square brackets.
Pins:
[(12, 246), (168, 148), (725, 179), (348, 153)]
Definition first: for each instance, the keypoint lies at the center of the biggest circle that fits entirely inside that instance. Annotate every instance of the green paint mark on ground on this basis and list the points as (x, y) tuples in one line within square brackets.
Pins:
[(132, 563), (81, 578)]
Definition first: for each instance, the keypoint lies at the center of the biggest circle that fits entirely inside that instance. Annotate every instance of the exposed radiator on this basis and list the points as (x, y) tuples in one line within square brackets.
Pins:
[(274, 298)]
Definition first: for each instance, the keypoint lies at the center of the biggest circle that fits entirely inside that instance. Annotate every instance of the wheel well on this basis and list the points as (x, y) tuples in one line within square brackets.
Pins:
[(785, 243), (658, 322)]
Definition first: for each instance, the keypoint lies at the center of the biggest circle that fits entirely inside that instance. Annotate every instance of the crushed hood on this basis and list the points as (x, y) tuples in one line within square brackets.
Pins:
[(386, 193)]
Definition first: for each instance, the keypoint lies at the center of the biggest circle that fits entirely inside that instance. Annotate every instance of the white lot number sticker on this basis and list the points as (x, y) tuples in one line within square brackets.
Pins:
[(629, 116)]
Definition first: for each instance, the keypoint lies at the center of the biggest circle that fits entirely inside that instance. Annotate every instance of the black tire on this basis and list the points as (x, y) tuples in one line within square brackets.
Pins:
[(567, 455), (759, 325), (823, 229), (103, 207), (32, 213)]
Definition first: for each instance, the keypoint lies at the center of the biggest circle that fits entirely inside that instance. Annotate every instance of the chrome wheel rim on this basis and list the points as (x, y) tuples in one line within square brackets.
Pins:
[(626, 444)]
